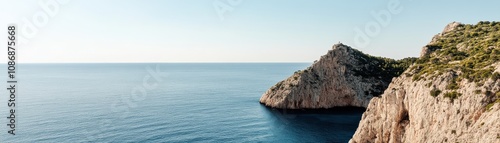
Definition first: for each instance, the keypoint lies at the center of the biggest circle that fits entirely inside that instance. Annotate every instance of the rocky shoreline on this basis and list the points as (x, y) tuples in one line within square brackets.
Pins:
[(451, 93), (342, 77)]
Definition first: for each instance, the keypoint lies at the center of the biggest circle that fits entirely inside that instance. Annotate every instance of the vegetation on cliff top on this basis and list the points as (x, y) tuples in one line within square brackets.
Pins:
[(376, 67), (368, 66), (467, 52), (381, 67)]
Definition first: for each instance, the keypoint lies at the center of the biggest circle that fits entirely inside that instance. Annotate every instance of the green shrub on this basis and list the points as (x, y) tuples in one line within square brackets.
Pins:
[(488, 106), (384, 68), (416, 77), (471, 64), (428, 84), (477, 91), (495, 76), (298, 72), (453, 85), (488, 93), (452, 95), (435, 92)]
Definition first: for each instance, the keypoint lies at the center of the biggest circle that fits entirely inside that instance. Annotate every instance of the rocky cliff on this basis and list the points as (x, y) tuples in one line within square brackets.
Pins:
[(450, 94), (342, 77)]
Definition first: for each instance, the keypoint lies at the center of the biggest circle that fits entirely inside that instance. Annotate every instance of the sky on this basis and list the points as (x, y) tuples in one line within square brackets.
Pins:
[(116, 31)]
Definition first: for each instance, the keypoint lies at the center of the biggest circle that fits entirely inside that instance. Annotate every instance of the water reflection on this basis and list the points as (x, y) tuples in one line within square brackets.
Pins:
[(326, 125)]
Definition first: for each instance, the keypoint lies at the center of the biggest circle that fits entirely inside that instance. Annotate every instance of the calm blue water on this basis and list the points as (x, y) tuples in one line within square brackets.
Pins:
[(191, 103)]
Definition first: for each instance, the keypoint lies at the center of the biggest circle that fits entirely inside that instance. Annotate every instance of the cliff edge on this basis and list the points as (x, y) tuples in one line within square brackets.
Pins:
[(450, 94), (342, 77)]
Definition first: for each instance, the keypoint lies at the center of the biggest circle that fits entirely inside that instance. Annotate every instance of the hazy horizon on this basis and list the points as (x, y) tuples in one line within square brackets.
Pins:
[(68, 31), (194, 62)]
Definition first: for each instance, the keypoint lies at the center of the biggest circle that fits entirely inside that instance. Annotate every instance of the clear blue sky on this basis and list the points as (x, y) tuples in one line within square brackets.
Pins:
[(254, 31)]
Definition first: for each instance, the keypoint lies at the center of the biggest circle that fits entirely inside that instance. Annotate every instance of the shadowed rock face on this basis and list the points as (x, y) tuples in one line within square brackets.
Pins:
[(342, 77), (466, 107)]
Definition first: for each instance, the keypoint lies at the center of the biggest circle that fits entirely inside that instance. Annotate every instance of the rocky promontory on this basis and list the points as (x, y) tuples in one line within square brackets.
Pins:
[(342, 77), (450, 94)]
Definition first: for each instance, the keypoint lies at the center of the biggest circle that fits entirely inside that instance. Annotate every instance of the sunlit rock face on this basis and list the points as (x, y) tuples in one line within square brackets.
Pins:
[(342, 77), (451, 94)]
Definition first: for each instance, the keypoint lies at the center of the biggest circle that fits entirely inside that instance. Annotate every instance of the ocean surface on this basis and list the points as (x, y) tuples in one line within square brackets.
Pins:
[(166, 102)]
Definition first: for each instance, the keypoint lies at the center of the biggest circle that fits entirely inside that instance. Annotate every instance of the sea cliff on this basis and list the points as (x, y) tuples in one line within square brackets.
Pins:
[(450, 94), (342, 77)]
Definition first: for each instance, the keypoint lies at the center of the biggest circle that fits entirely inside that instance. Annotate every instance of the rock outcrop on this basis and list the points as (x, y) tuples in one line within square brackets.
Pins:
[(427, 50), (449, 95), (342, 77), (406, 112)]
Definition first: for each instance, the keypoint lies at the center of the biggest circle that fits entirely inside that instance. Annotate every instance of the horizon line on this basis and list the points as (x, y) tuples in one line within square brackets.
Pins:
[(150, 62)]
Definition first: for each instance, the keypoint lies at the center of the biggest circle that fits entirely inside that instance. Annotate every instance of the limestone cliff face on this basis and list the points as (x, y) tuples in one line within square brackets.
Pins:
[(406, 112), (342, 77), (451, 94)]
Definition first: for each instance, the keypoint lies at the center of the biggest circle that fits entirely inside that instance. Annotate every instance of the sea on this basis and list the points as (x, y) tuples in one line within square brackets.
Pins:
[(161, 102)]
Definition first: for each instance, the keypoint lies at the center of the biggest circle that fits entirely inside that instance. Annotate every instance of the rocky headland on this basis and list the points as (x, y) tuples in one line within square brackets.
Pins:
[(451, 93), (342, 77)]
